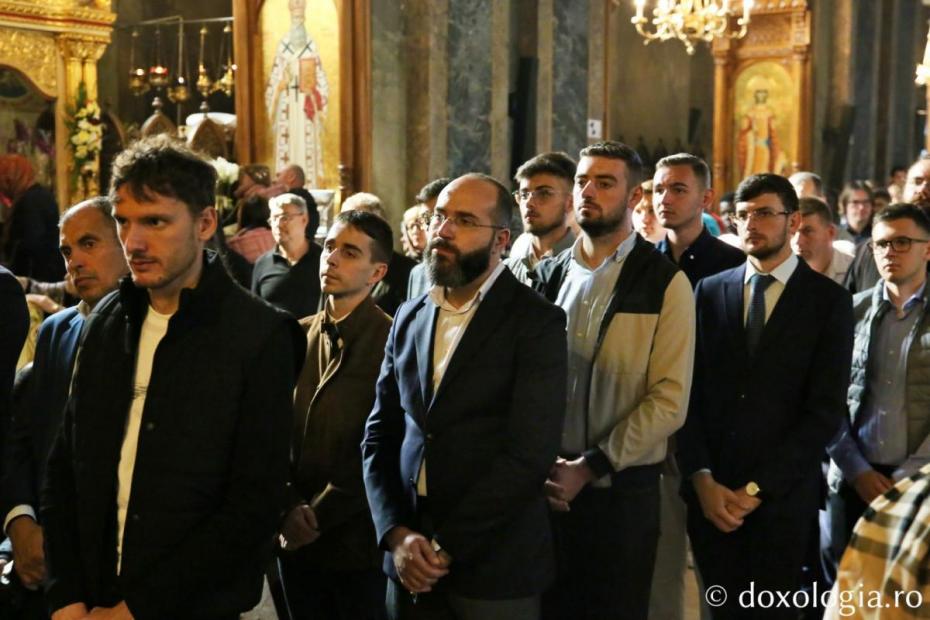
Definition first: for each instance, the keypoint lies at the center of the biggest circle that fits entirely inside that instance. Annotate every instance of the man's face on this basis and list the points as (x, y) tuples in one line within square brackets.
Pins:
[(93, 255), (677, 196), (161, 239), (917, 188), (806, 188), (765, 233), (600, 196), (814, 239), (296, 9), (346, 265), (545, 201), (900, 267), (858, 210), (899, 178), (457, 253), (288, 224)]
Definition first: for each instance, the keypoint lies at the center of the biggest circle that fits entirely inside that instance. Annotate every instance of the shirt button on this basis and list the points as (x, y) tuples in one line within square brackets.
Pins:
[(742, 397), (150, 426), (135, 516)]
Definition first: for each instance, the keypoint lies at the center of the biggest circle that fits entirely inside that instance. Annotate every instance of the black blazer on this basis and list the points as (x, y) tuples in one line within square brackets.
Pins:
[(37, 418), (490, 432), (14, 326), (211, 468), (768, 419)]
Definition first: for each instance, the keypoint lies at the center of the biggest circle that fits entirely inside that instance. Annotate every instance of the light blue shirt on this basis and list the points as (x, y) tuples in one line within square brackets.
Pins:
[(880, 436), (584, 297)]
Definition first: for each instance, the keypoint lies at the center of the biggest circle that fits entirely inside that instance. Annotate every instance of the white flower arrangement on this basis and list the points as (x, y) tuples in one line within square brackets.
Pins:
[(227, 172), (86, 136)]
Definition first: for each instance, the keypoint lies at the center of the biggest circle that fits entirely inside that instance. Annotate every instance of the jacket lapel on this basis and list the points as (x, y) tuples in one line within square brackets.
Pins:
[(733, 306), (482, 324), (788, 304), (424, 328)]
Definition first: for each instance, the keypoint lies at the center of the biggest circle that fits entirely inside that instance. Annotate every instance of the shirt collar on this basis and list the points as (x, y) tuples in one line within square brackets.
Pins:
[(562, 244), (438, 293), (83, 308), (782, 273), (622, 251), (917, 297)]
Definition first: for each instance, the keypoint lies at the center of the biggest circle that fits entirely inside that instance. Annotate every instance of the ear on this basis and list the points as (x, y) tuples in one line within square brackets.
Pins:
[(635, 196), (206, 224), (378, 274), (708, 199), (794, 221)]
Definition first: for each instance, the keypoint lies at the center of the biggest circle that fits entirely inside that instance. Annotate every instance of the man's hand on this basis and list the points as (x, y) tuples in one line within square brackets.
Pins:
[(418, 566), (566, 479), (300, 528), (714, 499), (744, 504), (28, 554), (74, 611), (120, 612), (870, 484), (44, 302)]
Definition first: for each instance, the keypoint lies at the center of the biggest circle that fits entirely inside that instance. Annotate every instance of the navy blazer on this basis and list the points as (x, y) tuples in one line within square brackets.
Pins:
[(36, 420), (490, 432), (768, 419)]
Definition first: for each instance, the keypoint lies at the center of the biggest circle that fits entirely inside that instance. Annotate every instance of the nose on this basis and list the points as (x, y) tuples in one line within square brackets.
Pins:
[(587, 190), (444, 230), (133, 238)]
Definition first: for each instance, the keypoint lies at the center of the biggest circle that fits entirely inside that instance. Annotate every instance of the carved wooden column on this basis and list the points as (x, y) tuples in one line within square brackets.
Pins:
[(721, 118)]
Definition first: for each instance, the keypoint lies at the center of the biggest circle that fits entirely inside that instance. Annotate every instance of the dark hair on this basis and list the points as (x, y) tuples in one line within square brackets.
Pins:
[(881, 192), (904, 211), (898, 168), (854, 186), (374, 227), (253, 213), (258, 173), (100, 203), (557, 164), (728, 197), (698, 165), (618, 150), (431, 190), (164, 166), (505, 204), (767, 183), (816, 206)]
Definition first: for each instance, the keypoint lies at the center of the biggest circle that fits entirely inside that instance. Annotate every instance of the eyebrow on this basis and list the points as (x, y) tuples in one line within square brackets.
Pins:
[(459, 213), (88, 237)]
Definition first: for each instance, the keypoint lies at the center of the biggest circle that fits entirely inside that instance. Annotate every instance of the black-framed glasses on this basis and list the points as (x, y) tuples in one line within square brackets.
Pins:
[(459, 221), (901, 245), (540, 194), (763, 215)]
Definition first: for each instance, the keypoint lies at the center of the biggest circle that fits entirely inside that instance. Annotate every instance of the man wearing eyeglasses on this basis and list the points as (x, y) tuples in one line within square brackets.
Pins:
[(288, 276), (466, 425), (774, 341), (886, 435), (545, 200), (630, 348)]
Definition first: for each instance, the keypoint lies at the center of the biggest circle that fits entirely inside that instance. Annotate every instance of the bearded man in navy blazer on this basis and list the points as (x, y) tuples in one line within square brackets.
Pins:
[(466, 425), (774, 346)]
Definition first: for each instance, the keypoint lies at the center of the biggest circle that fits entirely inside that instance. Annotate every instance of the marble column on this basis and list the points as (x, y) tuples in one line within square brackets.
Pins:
[(570, 76)]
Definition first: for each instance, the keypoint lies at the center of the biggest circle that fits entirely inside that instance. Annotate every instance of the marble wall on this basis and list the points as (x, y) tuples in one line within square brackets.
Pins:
[(570, 76)]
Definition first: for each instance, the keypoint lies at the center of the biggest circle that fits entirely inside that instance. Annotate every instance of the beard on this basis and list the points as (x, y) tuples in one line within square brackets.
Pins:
[(603, 226), (543, 229), (458, 271), (770, 249)]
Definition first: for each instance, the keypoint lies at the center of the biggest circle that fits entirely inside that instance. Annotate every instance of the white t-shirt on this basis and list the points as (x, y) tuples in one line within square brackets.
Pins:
[(153, 330)]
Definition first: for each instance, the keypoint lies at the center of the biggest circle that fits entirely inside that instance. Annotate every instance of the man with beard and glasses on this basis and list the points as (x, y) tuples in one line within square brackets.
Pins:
[(863, 274), (167, 479), (774, 342), (466, 425), (630, 349), (545, 200)]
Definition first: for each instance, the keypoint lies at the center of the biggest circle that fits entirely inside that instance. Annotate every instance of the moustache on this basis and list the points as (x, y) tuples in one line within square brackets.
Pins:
[(440, 243)]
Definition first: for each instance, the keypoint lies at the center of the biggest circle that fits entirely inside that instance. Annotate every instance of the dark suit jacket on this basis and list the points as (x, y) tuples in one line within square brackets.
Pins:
[(490, 432), (768, 419), (209, 482), (37, 419), (14, 325), (391, 291)]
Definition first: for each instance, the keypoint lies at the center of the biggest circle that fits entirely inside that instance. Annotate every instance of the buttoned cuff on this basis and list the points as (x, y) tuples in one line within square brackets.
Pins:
[(598, 462), (23, 510)]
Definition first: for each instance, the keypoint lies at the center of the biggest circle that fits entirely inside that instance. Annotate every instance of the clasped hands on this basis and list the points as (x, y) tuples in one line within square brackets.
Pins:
[(724, 507), (78, 611), (418, 565), (300, 528), (566, 479)]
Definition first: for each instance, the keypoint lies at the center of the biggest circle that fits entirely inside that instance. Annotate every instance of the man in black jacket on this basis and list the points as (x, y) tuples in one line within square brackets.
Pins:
[(167, 480)]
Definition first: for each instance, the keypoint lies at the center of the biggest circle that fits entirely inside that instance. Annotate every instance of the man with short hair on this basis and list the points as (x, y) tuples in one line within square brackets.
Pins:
[(95, 263), (815, 238), (807, 185), (391, 291), (856, 209), (419, 283), (773, 349), (630, 349), (886, 435), (681, 192), (288, 276), (330, 563), (896, 182), (292, 180), (181, 399), (544, 196), (863, 274), (466, 425)]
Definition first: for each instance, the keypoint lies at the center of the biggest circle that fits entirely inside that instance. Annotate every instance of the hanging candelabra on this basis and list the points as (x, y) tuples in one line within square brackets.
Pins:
[(180, 91), (138, 84), (227, 81), (158, 73), (204, 83), (691, 21)]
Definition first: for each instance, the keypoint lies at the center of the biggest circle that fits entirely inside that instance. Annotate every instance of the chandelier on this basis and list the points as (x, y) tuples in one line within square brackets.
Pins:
[(691, 21)]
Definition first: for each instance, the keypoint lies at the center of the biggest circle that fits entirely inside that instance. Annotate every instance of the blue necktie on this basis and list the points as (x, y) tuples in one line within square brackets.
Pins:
[(755, 321)]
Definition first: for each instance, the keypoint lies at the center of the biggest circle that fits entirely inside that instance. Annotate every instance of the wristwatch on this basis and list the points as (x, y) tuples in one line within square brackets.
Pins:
[(752, 489)]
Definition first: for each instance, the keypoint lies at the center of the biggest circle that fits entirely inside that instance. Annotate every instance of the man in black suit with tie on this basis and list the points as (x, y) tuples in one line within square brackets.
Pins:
[(466, 425), (774, 343)]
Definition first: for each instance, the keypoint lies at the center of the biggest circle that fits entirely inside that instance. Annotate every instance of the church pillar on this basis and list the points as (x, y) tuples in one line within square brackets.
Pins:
[(570, 76)]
